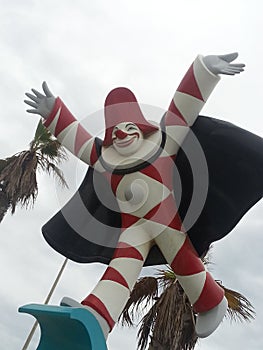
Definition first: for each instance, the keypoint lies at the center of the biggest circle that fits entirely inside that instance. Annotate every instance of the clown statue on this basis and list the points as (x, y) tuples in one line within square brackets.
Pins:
[(136, 161)]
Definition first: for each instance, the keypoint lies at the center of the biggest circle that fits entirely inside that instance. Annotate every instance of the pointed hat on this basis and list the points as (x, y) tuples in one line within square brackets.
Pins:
[(121, 106)]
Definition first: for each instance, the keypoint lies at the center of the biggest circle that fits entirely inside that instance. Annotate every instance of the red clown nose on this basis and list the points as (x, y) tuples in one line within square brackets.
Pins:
[(121, 106), (121, 134)]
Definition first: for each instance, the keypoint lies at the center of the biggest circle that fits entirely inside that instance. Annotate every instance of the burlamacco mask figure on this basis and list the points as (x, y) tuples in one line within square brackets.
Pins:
[(126, 212)]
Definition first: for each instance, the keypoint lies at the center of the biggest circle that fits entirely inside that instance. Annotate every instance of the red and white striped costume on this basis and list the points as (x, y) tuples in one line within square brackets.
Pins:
[(155, 219)]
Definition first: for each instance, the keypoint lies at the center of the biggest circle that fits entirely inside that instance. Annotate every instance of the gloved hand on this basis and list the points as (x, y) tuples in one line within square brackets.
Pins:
[(42, 104), (221, 64)]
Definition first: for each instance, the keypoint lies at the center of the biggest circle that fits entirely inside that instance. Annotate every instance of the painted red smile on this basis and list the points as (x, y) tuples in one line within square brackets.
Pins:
[(124, 143)]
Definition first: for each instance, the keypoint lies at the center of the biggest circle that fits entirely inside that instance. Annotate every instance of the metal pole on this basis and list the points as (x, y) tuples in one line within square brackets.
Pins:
[(30, 336)]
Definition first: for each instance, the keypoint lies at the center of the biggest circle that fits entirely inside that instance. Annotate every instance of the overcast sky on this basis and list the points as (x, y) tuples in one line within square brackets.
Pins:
[(83, 49)]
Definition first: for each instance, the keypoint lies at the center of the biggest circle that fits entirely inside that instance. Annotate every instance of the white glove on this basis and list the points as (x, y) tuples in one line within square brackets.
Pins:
[(42, 104), (221, 64)]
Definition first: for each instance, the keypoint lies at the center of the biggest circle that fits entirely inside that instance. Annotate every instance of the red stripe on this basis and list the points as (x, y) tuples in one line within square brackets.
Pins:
[(64, 120), (176, 223), (187, 262), (125, 250), (112, 274), (53, 113), (212, 294), (97, 305), (128, 220), (189, 85), (162, 171), (165, 213), (93, 155), (81, 137), (114, 180), (174, 116)]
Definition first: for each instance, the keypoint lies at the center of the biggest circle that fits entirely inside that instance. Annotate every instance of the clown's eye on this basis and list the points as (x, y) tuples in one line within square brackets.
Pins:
[(130, 128)]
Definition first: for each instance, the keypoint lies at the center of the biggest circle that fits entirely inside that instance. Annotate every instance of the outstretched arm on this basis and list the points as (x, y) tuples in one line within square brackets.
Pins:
[(193, 92), (60, 121)]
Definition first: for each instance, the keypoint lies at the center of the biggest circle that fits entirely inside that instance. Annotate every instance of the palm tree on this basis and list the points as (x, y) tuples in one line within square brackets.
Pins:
[(18, 182), (167, 317)]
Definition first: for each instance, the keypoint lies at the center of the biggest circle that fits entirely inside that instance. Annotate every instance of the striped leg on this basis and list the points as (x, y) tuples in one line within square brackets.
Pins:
[(203, 292), (113, 290)]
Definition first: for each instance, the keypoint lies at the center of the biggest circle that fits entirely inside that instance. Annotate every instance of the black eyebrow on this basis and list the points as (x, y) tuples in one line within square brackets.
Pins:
[(131, 124)]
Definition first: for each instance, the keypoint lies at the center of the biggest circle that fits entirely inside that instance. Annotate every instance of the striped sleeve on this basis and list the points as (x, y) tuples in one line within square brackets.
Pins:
[(191, 95), (188, 100), (69, 132)]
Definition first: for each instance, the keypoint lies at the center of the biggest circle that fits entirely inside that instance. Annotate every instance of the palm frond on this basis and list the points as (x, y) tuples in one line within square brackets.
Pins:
[(147, 326), (3, 164), (45, 143), (41, 132), (239, 307), (18, 179), (166, 277), (174, 325), (169, 323), (52, 168), (42, 136), (18, 182), (144, 291), (53, 151), (4, 203)]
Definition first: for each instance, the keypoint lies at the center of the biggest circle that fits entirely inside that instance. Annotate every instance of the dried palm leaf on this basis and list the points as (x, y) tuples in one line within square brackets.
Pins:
[(18, 179), (147, 326), (169, 324), (18, 182), (174, 325), (144, 291), (4, 204), (239, 307)]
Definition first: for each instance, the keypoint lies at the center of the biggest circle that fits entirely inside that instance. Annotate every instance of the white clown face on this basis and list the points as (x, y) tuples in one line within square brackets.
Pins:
[(126, 138)]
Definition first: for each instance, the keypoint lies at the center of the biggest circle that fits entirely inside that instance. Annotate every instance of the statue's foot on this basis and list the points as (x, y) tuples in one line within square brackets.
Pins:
[(207, 322), (66, 301)]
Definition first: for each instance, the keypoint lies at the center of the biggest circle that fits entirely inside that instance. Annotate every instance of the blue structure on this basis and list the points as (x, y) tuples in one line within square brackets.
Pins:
[(66, 328)]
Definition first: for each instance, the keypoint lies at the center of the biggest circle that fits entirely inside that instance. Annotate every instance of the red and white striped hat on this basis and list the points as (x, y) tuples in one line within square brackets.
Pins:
[(121, 106)]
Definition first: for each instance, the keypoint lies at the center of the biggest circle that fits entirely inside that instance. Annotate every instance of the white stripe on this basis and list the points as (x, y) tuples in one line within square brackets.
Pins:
[(170, 241), (205, 79), (193, 285), (157, 192), (53, 124), (113, 295), (129, 269), (188, 106), (85, 151), (138, 236), (175, 137), (68, 136)]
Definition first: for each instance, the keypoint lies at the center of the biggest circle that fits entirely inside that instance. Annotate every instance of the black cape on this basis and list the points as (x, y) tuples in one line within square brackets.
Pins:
[(87, 230)]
